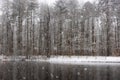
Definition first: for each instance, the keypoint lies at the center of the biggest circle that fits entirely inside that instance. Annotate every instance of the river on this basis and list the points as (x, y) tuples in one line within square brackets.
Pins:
[(48, 71)]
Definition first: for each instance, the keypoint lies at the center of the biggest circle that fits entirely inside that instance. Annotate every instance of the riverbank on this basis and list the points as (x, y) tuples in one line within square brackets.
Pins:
[(85, 60), (64, 59)]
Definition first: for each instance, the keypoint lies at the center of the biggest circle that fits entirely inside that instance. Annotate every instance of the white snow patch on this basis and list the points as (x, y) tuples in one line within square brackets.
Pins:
[(92, 60), (84, 59)]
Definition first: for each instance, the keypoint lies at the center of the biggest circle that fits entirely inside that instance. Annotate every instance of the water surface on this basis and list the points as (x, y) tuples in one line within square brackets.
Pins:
[(47, 71)]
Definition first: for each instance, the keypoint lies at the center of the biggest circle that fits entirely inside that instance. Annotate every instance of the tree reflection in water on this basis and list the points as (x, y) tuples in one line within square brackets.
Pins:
[(47, 71)]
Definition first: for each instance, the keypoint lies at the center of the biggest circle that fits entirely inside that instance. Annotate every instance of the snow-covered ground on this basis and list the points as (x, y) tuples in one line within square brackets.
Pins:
[(65, 59), (85, 60), (77, 59)]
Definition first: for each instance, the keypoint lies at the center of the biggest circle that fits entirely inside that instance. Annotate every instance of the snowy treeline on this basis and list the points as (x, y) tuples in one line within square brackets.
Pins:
[(68, 27)]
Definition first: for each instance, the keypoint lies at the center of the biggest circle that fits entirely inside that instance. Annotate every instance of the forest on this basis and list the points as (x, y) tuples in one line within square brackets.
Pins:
[(28, 27)]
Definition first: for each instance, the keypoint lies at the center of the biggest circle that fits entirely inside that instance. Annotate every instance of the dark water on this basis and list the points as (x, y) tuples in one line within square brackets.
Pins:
[(47, 71)]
